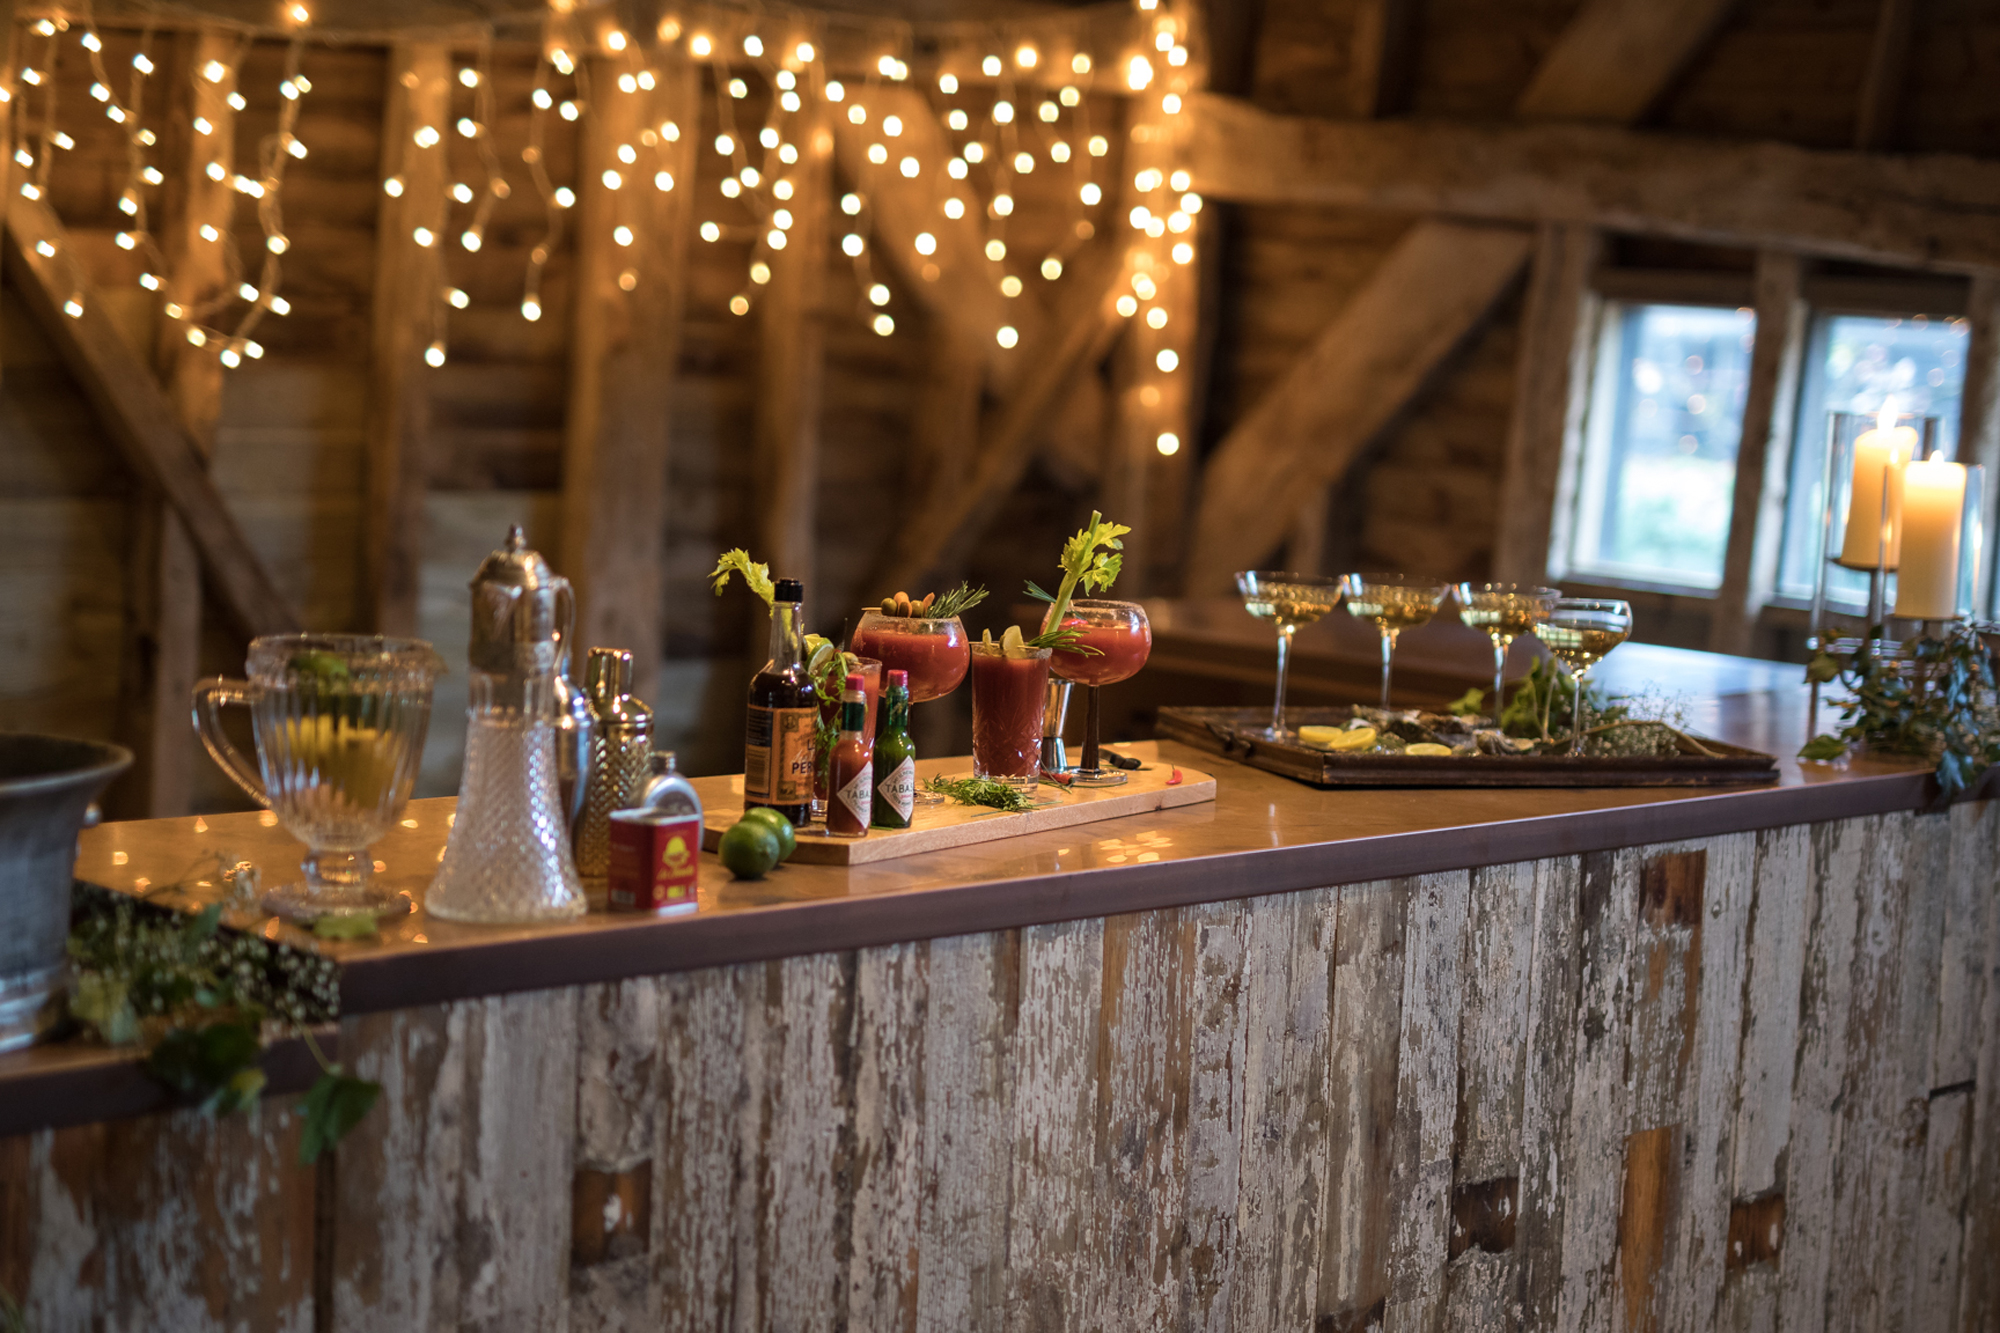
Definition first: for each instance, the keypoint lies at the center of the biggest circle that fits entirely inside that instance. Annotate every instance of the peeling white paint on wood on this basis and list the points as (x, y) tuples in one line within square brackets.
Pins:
[(1215, 1114)]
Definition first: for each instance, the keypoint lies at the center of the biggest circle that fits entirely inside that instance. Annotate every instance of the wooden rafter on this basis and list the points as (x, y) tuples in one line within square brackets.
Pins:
[(416, 93), (625, 344), (1088, 320), (1617, 57), (1417, 308), (140, 419), (1888, 70), (1757, 514), (1940, 210)]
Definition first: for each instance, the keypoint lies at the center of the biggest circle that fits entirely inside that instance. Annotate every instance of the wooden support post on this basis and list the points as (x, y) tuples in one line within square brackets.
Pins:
[(1979, 420), (1757, 514), (403, 318), (1551, 380), (791, 362), (1888, 70), (1384, 54), (1417, 308), (160, 656), (625, 345), (142, 423)]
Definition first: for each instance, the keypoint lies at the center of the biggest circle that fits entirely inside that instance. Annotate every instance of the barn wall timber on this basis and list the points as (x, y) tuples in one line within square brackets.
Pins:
[(1743, 1082)]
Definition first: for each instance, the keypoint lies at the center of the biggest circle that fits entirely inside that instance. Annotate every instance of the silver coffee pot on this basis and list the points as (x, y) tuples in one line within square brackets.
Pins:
[(523, 621)]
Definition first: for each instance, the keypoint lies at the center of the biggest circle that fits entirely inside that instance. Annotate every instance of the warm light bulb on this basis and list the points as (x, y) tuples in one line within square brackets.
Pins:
[(957, 169), (612, 180), (908, 166), (835, 90), (996, 250), (954, 208), (760, 273), (531, 309), (1079, 63), (215, 71), (1168, 443), (1127, 306), (393, 187), (1052, 268), (878, 154), (1026, 57), (699, 45), (852, 245), (622, 235), (1003, 113), (1007, 335), (1157, 317), (883, 325), (458, 298), (1010, 286), (753, 45), (663, 180), (470, 240), (1139, 73), (850, 204), (1090, 193), (1167, 360), (565, 197), (804, 51), (1183, 253), (1024, 163), (1099, 145), (710, 232), (926, 243), (1003, 205), (990, 67), (434, 355), (947, 84)]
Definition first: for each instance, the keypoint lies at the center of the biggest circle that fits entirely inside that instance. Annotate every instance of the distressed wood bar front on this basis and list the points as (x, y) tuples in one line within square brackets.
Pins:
[(1658, 1060)]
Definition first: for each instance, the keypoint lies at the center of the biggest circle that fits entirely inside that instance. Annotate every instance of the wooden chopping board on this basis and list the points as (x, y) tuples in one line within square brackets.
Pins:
[(1149, 787)]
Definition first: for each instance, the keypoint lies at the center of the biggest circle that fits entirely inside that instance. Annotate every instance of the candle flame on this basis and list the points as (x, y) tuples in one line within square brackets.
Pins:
[(1885, 420)]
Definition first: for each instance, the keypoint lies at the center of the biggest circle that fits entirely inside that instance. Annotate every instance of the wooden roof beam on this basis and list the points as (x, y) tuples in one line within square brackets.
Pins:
[(142, 422), (1417, 308), (1938, 210), (1617, 57)]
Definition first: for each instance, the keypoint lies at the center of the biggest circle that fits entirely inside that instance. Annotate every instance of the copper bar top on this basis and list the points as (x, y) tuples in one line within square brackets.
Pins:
[(1263, 834)]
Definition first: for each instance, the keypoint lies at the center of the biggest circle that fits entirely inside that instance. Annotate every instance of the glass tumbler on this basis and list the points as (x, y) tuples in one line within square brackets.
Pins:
[(1009, 696), (339, 722), (509, 858)]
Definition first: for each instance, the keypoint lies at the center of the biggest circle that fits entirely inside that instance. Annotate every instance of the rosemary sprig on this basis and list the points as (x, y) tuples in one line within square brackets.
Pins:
[(1092, 559), (980, 791), (956, 602)]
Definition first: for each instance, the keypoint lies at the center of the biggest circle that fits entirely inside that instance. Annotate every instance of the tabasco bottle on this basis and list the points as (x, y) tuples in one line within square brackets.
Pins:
[(784, 708), (847, 810), (895, 765)]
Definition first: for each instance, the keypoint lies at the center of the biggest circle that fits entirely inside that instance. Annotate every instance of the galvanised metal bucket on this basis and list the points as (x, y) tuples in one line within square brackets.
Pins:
[(46, 785)]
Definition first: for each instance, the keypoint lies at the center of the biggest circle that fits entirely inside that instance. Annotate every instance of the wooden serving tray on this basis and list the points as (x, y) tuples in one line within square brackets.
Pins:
[(1226, 731), (1149, 787)]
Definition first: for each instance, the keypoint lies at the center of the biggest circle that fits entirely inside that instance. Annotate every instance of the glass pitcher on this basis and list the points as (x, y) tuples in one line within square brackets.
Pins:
[(339, 721)]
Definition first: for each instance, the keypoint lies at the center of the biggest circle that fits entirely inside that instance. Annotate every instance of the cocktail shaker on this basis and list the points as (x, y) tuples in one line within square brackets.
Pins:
[(621, 749), (1055, 758)]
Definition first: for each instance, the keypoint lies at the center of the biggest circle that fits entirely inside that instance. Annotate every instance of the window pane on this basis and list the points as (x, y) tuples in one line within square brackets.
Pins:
[(1856, 363), (1659, 460)]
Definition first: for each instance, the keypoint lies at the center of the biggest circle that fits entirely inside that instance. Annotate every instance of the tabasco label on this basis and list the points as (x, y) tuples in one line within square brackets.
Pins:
[(652, 864), (778, 756), (896, 795), (858, 795)]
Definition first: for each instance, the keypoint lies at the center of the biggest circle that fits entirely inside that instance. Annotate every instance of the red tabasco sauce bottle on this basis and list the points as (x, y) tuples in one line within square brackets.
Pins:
[(784, 708), (848, 809)]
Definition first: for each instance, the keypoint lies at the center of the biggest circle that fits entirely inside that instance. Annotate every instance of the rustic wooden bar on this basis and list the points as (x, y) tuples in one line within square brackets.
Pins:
[(1665, 1059)]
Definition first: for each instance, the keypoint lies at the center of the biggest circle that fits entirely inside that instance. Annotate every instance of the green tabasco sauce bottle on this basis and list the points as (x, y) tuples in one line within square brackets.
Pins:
[(895, 757)]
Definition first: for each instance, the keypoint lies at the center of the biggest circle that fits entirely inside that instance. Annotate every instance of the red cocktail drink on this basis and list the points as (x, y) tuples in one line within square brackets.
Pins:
[(1121, 649), (934, 652), (1009, 696)]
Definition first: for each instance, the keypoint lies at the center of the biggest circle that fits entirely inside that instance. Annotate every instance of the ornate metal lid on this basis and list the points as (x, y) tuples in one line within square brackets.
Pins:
[(521, 610)]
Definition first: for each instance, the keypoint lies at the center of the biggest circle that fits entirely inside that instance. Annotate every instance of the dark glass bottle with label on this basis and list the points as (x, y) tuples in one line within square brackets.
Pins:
[(895, 757), (778, 755)]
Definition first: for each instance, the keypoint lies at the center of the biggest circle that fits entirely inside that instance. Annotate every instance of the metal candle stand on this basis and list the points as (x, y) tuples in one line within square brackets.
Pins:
[(1843, 429)]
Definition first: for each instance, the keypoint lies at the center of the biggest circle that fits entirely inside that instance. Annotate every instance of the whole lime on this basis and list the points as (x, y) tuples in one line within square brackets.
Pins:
[(788, 840), (749, 848)]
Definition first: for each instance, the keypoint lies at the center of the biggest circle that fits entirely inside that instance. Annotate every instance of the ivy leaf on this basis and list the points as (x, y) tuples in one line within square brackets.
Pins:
[(105, 1003), (335, 1105), (1824, 667), (356, 926), (206, 1063), (1823, 749)]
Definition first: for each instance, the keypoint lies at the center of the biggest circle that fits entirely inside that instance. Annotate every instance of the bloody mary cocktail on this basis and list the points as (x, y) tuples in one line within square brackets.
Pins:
[(934, 652), (1121, 649), (1009, 696)]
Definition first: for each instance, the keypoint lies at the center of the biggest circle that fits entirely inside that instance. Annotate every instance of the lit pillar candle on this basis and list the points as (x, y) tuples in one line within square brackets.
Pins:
[(1933, 507), (1879, 456)]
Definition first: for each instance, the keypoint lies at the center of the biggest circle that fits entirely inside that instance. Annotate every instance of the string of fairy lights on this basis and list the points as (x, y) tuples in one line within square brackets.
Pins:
[(1002, 115)]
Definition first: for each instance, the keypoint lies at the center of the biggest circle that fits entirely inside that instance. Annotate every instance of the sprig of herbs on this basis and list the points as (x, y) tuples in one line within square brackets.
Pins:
[(1091, 559), (1937, 703), (755, 574), (200, 1002), (980, 791), (956, 602)]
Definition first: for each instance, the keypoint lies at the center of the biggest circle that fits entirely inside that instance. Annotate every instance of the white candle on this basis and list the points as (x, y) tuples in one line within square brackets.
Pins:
[(1933, 506), (1879, 456)]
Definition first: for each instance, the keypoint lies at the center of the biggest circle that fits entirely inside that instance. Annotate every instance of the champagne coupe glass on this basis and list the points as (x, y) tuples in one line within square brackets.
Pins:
[(1394, 602), (339, 721), (1505, 611), (936, 653), (1580, 632), (1116, 638), (1287, 600)]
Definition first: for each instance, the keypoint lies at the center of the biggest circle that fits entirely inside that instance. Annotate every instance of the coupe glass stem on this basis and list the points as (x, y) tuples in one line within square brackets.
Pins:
[(1500, 646), (1091, 763), (1576, 715), (1284, 663), (1388, 655)]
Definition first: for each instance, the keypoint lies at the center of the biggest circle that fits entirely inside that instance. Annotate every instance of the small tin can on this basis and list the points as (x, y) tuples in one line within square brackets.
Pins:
[(654, 861)]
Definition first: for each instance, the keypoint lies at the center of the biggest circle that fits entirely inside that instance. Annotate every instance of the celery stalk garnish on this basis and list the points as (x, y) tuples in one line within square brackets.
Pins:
[(1090, 559)]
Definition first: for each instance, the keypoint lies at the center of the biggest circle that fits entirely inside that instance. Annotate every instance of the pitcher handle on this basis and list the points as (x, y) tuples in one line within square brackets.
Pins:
[(210, 697)]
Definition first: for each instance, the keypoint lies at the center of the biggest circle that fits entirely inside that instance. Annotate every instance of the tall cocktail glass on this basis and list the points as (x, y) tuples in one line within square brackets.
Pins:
[(1008, 698), (1114, 640), (936, 653), (1394, 602), (1505, 611), (1580, 631), (339, 722), (1288, 601)]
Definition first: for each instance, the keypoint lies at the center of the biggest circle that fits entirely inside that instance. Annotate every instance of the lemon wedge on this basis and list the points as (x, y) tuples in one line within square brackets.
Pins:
[(1338, 739), (1425, 747)]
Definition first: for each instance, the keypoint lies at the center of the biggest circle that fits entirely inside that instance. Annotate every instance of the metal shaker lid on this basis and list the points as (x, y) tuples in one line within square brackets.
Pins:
[(521, 610), (607, 681)]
